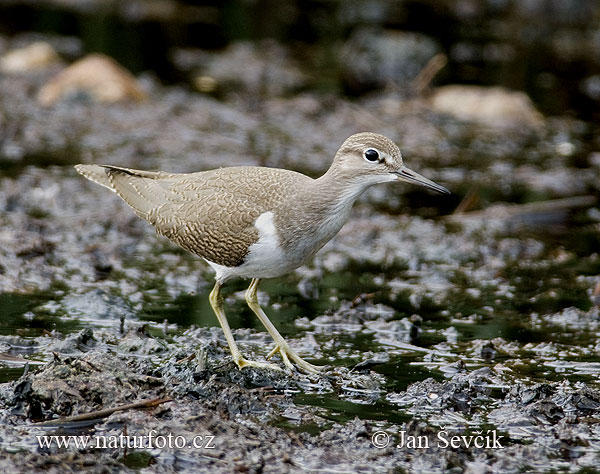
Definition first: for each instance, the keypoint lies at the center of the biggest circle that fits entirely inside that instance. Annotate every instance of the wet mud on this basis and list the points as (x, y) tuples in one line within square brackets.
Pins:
[(459, 334)]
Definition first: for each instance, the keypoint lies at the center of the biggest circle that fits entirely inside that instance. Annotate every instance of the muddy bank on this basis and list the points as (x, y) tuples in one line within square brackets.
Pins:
[(249, 420), (483, 323)]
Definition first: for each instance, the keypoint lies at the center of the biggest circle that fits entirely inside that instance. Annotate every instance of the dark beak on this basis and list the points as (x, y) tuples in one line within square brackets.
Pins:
[(404, 174)]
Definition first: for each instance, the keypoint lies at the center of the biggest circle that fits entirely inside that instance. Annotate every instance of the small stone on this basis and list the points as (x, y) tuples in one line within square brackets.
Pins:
[(205, 84), (30, 58), (96, 75), (491, 106)]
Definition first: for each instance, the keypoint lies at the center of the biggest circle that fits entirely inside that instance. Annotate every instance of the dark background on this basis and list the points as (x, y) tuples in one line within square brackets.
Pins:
[(547, 48)]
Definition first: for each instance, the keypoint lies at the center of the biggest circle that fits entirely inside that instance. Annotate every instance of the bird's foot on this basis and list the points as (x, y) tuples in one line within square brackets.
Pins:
[(242, 363), (288, 353)]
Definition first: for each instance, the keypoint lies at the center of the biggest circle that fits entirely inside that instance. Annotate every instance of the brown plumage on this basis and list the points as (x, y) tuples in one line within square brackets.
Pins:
[(210, 213), (257, 222)]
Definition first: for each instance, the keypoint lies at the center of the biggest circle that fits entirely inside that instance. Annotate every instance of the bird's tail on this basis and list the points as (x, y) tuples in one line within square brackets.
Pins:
[(97, 174), (142, 190)]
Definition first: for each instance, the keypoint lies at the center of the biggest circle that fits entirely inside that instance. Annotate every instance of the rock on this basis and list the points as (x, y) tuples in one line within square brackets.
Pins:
[(264, 68), (372, 59), (590, 86), (30, 58), (96, 75), (492, 106)]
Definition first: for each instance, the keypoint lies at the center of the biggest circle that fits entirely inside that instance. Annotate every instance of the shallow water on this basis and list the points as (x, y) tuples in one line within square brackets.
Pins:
[(467, 317)]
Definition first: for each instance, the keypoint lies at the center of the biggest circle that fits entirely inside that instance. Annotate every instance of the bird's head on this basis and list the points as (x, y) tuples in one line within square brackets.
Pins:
[(373, 158)]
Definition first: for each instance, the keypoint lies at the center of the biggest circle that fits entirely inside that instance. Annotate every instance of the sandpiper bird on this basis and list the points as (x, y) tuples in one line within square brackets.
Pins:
[(257, 222)]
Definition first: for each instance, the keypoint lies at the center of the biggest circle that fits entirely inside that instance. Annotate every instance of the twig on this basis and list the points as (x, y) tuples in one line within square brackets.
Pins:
[(505, 212), (424, 78), (17, 360), (295, 438), (186, 358), (469, 201), (107, 411)]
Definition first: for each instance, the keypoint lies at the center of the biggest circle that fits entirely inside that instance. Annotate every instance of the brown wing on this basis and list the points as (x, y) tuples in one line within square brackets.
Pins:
[(211, 213)]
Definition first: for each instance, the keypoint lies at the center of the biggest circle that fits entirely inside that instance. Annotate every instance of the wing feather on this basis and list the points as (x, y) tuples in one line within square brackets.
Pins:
[(210, 214)]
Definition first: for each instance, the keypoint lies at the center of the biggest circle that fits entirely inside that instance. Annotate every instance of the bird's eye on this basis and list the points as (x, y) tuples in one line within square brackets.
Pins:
[(371, 155)]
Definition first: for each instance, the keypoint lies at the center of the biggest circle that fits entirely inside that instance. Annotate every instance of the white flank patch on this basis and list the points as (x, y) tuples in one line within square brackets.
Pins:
[(265, 258), (266, 227)]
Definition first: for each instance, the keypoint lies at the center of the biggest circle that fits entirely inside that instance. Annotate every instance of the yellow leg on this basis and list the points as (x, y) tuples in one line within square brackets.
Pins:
[(281, 346), (216, 301)]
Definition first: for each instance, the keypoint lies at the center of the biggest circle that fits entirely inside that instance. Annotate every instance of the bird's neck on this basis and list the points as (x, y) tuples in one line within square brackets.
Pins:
[(315, 213), (338, 191), (326, 202)]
